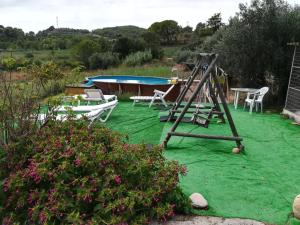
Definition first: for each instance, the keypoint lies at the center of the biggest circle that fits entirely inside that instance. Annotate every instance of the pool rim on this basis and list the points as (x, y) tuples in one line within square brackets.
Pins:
[(168, 79)]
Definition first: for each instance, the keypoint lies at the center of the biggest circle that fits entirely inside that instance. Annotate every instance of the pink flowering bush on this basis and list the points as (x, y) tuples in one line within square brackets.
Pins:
[(68, 173)]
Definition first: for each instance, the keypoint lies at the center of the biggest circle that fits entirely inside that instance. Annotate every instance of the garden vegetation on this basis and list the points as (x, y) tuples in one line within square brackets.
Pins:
[(69, 173), (55, 172)]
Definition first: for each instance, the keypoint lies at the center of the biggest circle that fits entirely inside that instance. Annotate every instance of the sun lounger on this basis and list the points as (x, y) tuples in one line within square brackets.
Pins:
[(84, 108), (92, 112), (96, 95)]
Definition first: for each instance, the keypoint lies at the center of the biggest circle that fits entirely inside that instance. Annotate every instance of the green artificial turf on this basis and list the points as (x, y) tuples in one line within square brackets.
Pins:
[(293, 221), (259, 183), (139, 122)]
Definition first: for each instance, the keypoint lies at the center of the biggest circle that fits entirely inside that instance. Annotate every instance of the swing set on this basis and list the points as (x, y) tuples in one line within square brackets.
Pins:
[(209, 86)]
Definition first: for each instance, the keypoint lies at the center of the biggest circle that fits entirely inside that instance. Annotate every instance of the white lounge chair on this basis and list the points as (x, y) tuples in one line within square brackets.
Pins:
[(96, 95), (256, 99), (158, 95), (91, 112)]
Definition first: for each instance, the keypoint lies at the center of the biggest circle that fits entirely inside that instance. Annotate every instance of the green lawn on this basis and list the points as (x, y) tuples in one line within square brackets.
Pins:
[(38, 54), (146, 70), (259, 184)]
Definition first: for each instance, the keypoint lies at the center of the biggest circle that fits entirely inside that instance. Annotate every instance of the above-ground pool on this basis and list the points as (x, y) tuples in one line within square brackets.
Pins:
[(133, 85)]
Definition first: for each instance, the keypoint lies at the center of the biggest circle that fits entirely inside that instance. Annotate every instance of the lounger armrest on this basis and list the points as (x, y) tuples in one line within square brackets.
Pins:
[(159, 92)]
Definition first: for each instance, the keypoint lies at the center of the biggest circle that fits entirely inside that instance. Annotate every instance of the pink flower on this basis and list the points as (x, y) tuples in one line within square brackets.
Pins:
[(7, 221), (6, 185), (121, 208), (77, 162), (126, 147), (32, 197), (87, 198), (163, 219), (183, 171), (58, 144), (32, 172), (30, 213), (51, 195), (156, 199), (118, 179), (171, 213), (51, 175), (42, 217), (68, 152), (89, 222)]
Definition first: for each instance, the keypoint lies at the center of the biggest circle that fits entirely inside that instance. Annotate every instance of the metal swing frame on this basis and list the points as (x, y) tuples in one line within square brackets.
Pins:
[(209, 73), (292, 102)]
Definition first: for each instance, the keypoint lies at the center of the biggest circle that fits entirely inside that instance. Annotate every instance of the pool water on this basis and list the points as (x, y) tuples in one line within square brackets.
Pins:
[(125, 79)]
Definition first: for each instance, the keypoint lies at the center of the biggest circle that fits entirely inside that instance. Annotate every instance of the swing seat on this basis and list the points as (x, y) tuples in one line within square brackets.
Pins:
[(166, 118), (200, 121)]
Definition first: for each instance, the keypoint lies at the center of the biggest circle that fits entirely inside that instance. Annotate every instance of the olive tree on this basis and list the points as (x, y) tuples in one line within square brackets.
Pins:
[(253, 47)]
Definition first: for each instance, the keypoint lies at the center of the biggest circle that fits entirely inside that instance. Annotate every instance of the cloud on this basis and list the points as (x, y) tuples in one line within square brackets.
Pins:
[(39, 14)]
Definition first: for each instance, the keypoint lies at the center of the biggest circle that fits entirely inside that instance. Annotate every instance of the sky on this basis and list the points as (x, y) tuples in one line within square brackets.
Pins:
[(35, 15)]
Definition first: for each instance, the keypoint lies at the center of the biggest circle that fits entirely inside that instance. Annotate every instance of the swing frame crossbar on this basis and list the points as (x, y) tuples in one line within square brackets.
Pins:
[(210, 72)]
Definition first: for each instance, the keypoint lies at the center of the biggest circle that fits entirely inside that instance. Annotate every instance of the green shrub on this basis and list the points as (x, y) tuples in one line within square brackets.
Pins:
[(21, 62), (37, 62), (84, 49), (124, 97), (138, 58), (29, 55), (185, 55), (103, 60), (48, 77), (157, 52), (125, 46), (12, 64), (68, 64), (9, 63), (68, 173)]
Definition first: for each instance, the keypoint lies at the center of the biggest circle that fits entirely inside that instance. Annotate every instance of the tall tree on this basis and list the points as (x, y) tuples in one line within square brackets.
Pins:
[(124, 46), (167, 30), (215, 22), (205, 30)]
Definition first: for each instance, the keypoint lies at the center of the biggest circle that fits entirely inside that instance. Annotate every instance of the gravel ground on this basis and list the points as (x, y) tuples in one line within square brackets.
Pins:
[(209, 220)]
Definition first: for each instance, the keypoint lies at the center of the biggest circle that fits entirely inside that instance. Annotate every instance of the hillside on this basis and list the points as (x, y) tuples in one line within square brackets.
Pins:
[(124, 31)]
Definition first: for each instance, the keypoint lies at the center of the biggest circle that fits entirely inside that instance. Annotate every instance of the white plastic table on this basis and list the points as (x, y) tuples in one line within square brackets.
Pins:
[(237, 94)]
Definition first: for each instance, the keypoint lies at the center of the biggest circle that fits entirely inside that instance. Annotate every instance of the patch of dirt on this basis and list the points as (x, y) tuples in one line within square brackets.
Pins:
[(15, 76)]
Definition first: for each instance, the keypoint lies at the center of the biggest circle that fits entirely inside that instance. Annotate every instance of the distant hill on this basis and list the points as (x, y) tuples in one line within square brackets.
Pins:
[(120, 31), (51, 31)]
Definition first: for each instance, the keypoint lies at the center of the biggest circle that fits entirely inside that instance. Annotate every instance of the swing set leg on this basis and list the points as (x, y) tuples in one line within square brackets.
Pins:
[(239, 147)]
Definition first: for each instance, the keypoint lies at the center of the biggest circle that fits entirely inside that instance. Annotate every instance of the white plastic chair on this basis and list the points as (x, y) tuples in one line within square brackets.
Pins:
[(256, 98), (158, 95)]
